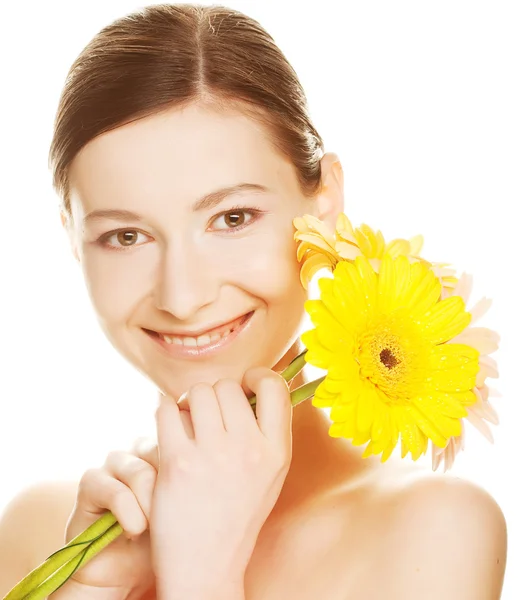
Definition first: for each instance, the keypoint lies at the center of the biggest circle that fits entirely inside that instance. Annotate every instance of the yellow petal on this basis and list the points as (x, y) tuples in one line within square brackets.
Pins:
[(316, 241), (387, 285), (365, 277), (364, 242), (424, 289), (365, 409), (444, 320), (398, 247), (317, 355), (381, 245), (433, 424), (416, 244), (344, 224), (309, 223), (412, 438), (311, 266), (347, 250)]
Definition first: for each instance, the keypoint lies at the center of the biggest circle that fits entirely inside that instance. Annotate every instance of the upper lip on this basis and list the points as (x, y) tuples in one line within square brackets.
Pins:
[(197, 333)]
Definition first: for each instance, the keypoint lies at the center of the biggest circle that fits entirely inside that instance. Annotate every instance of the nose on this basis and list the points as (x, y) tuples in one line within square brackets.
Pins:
[(185, 282)]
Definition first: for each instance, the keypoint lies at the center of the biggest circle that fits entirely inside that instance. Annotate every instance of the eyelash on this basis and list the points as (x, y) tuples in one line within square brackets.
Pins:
[(255, 211)]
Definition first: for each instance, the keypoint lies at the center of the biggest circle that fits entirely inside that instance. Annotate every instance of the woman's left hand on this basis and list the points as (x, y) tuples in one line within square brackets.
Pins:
[(221, 470)]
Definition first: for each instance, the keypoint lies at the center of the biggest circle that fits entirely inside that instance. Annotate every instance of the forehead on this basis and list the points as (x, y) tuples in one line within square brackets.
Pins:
[(189, 150)]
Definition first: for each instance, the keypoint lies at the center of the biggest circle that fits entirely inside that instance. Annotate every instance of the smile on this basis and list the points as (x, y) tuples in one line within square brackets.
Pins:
[(204, 344)]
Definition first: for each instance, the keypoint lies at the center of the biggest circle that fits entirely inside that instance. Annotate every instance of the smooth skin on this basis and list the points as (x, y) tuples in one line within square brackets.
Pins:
[(322, 522)]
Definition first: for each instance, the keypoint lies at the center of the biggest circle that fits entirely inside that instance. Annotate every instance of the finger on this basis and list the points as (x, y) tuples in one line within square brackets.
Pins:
[(186, 419), (146, 448), (99, 492), (137, 474), (273, 403), (237, 413), (172, 437), (205, 412)]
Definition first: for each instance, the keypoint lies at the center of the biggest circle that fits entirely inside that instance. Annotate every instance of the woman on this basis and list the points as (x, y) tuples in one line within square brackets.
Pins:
[(182, 151)]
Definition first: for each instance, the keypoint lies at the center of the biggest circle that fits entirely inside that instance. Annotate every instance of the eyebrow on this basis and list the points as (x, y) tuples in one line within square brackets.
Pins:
[(206, 202)]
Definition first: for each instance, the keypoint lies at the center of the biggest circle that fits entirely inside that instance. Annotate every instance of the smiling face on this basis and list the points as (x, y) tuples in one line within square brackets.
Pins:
[(182, 221)]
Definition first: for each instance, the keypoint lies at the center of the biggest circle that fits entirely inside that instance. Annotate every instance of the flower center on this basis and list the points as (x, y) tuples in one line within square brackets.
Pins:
[(392, 356), (388, 359)]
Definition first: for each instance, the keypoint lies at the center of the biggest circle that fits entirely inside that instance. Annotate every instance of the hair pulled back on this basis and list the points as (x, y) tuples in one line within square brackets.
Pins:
[(170, 55)]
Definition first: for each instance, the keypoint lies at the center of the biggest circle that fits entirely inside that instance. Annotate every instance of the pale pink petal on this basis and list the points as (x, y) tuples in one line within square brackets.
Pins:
[(483, 407), (460, 440), (489, 413), (442, 271), (493, 392), (450, 457), (448, 454), (484, 340), (482, 391), (480, 425), (491, 366), (479, 309), (463, 287), (485, 372), (445, 293), (445, 271), (436, 458)]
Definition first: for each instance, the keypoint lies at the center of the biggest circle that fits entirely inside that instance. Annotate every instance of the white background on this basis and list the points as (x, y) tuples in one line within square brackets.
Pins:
[(425, 103)]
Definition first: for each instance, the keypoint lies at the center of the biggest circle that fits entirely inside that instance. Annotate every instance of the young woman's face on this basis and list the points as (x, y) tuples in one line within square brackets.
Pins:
[(182, 223)]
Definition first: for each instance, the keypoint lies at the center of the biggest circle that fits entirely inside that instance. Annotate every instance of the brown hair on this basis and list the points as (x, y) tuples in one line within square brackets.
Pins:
[(170, 55)]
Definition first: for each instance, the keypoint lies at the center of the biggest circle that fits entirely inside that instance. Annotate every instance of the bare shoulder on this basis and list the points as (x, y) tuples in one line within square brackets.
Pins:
[(446, 497), (37, 516), (448, 510), (436, 536)]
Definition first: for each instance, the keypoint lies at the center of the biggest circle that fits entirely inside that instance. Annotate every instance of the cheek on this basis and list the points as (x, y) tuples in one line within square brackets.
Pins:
[(266, 265), (114, 285)]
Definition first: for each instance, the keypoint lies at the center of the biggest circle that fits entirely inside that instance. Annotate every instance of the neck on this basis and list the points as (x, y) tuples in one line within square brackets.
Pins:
[(319, 462)]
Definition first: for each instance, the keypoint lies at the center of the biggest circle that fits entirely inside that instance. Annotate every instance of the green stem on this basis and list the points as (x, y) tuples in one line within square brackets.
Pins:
[(67, 553), (305, 391), (295, 366), (291, 371), (66, 571)]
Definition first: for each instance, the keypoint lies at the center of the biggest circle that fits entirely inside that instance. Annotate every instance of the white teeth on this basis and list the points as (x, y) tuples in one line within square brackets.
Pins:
[(202, 340)]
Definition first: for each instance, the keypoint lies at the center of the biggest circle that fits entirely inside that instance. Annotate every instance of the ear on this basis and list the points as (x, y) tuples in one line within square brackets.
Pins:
[(330, 199), (67, 223)]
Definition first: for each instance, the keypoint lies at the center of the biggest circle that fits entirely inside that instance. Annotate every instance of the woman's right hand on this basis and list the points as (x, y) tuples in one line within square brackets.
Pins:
[(124, 485)]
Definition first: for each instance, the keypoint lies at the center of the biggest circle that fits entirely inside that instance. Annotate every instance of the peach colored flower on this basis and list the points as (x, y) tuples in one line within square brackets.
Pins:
[(486, 342), (321, 248)]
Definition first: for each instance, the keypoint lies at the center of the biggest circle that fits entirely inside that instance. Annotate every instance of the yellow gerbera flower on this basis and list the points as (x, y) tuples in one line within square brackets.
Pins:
[(321, 248), (390, 375)]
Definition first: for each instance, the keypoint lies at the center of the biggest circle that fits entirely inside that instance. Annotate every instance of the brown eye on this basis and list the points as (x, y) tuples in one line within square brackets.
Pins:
[(234, 218), (127, 238), (122, 239)]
